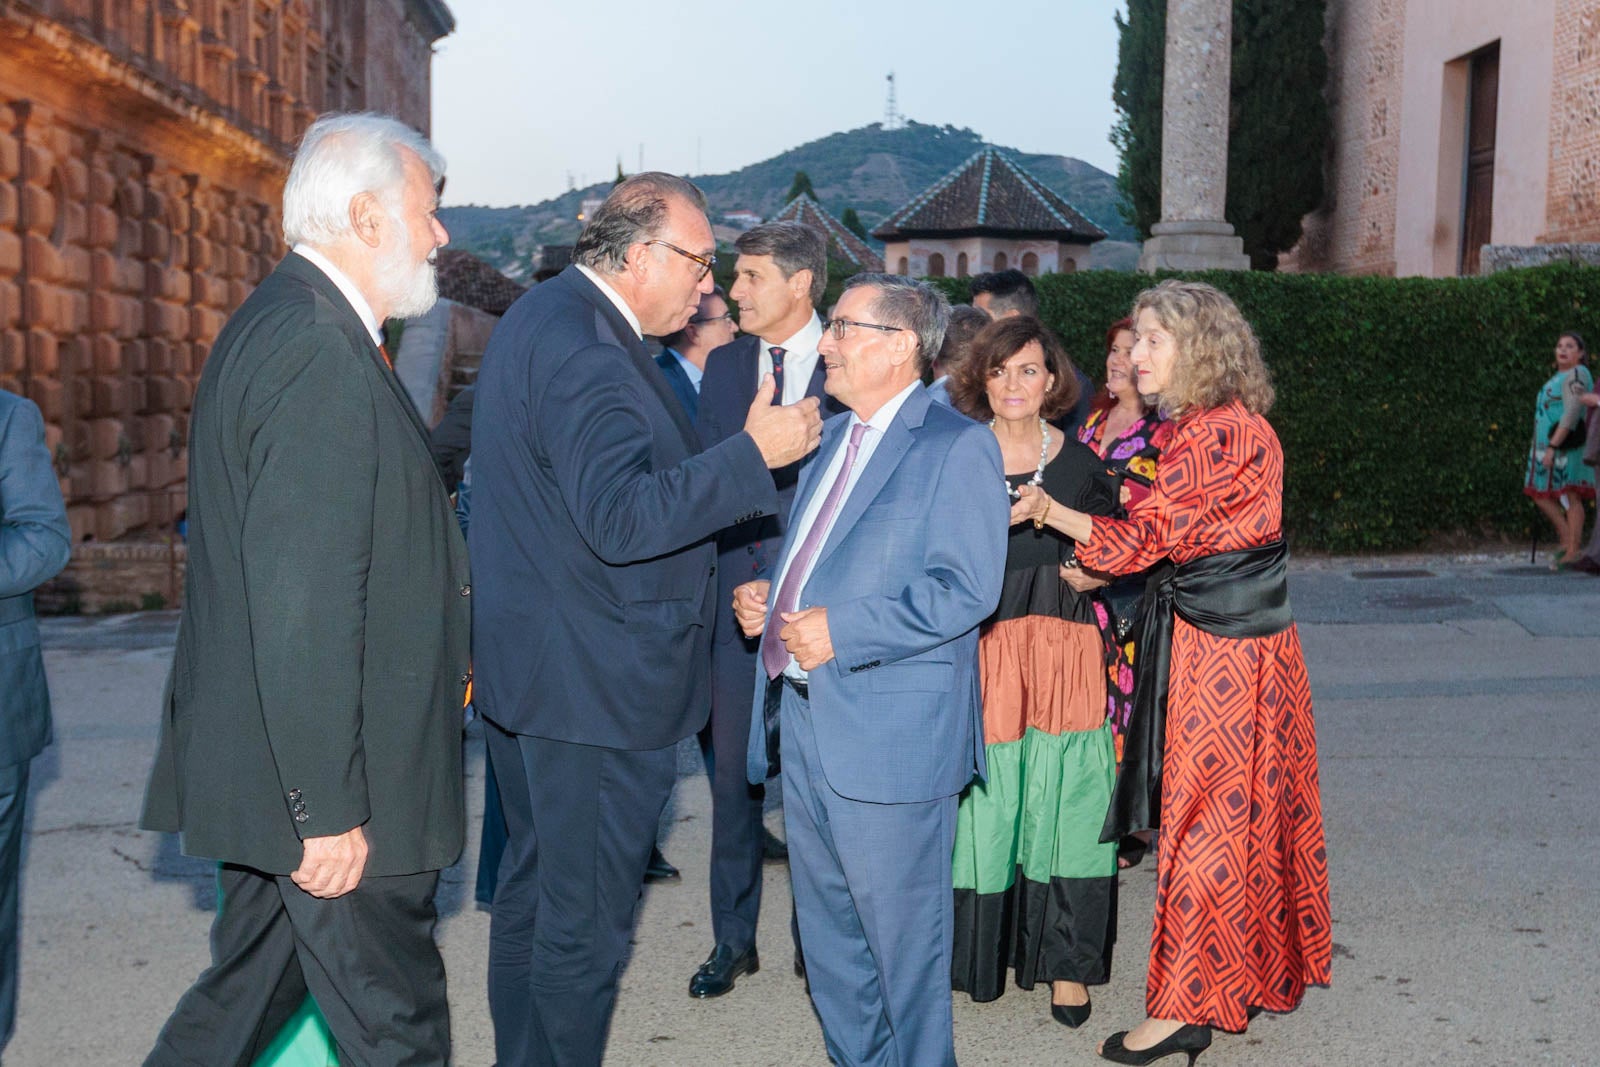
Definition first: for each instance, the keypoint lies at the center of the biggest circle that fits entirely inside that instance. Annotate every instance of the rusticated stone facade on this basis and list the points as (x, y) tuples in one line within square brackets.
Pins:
[(143, 148)]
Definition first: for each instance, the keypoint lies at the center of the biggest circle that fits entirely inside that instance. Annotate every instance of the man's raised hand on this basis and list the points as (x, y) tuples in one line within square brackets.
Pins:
[(783, 432)]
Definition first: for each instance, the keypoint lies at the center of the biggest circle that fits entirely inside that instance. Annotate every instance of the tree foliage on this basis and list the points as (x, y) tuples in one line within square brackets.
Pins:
[(1136, 92), (852, 222), (1278, 125), (801, 184)]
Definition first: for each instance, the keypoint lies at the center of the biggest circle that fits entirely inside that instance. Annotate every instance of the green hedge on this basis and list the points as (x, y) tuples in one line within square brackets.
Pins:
[(1405, 405)]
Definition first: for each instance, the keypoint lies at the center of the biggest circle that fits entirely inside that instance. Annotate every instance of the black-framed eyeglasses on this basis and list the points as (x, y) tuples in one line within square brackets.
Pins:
[(713, 318), (706, 262), (837, 326)]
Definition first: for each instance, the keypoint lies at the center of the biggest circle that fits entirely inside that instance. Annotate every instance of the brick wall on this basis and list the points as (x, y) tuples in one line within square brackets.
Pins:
[(1573, 208), (1354, 232)]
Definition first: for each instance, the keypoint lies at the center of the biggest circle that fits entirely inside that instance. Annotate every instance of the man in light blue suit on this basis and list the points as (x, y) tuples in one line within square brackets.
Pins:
[(34, 545), (869, 631)]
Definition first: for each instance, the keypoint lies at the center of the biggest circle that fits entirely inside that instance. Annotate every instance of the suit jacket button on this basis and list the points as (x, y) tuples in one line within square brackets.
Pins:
[(466, 590), (301, 816), (465, 678), (294, 794)]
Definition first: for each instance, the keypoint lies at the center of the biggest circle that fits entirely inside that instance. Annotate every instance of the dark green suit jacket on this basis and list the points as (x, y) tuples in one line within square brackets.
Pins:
[(323, 648)]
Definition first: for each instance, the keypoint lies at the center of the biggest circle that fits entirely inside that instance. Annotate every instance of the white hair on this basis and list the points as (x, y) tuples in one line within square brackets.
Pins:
[(341, 157)]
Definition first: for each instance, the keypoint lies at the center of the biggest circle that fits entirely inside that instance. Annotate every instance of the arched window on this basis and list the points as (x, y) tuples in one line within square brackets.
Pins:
[(1000, 262), (961, 264), (903, 267), (936, 265), (1069, 265), (1030, 264)]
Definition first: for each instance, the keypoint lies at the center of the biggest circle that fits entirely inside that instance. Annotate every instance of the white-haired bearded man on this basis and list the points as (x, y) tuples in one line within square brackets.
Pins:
[(311, 733)]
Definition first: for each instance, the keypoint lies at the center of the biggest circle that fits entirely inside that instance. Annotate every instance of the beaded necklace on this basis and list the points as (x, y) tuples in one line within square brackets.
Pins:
[(1044, 453)]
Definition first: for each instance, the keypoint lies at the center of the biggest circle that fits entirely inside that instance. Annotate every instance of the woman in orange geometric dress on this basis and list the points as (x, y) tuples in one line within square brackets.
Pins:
[(1242, 921)]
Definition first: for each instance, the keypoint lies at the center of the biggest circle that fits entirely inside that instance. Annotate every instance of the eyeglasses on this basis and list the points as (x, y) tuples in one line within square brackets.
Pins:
[(714, 318), (706, 262), (837, 326)]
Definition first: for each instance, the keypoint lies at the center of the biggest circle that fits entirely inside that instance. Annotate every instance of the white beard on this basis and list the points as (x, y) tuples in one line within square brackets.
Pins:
[(409, 290)]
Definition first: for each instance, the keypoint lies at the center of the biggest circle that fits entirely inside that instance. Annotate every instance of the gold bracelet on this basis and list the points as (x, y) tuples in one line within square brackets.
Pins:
[(1038, 524)]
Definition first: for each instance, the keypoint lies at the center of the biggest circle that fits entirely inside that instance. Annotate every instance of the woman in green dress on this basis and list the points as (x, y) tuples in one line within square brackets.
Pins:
[(1034, 887), (1557, 478)]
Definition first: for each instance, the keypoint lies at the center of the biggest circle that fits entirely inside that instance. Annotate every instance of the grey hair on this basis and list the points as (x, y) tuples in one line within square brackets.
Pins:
[(635, 211), (342, 156), (912, 305), (793, 246)]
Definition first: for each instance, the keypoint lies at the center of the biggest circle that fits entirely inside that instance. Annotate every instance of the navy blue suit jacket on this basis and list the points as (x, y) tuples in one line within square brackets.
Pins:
[(749, 549), (913, 563), (682, 387), (593, 509)]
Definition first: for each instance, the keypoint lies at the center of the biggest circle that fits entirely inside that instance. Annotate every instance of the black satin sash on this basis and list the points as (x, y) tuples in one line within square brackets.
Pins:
[(1239, 595)]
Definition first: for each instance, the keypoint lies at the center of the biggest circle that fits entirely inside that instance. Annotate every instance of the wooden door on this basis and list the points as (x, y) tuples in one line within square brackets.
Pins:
[(1483, 94)]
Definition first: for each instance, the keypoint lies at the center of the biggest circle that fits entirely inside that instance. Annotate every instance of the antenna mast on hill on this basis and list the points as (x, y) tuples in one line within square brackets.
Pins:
[(892, 119)]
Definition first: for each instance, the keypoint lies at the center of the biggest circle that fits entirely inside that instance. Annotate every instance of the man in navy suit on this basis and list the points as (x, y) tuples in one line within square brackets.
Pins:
[(780, 275), (895, 554), (593, 512), (683, 354), (34, 545)]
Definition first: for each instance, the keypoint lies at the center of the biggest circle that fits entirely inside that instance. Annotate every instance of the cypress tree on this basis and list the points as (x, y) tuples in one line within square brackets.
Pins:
[(1136, 92), (802, 184), (852, 222)]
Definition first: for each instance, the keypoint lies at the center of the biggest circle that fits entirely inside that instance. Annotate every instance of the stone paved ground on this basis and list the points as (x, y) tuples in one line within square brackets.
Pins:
[(1457, 712)]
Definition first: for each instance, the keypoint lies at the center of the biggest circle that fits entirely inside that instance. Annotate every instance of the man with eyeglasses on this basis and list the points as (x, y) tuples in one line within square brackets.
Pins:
[(683, 353), (781, 273), (869, 624), (593, 510)]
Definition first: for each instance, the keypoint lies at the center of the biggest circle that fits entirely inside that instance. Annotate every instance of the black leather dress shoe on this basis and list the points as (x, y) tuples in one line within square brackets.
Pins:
[(773, 849), (718, 973), (658, 869)]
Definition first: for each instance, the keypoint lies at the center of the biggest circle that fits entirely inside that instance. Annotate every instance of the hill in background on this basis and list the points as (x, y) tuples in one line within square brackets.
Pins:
[(871, 169)]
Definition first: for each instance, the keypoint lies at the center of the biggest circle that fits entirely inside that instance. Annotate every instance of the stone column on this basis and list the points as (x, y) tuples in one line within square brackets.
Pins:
[(1192, 233)]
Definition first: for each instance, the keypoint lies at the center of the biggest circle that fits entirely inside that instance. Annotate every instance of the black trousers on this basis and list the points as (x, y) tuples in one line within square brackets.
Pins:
[(581, 822), (367, 957)]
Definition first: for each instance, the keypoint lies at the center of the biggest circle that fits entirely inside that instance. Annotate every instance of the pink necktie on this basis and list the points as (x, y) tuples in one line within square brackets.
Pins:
[(774, 656)]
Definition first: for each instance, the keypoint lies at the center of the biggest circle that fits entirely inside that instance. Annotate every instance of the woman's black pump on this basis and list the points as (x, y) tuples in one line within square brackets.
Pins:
[(1191, 1039)]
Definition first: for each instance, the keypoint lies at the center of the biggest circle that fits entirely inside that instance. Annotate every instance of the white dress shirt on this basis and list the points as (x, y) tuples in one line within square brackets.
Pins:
[(876, 427), (616, 298), (346, 287), (799, 360)]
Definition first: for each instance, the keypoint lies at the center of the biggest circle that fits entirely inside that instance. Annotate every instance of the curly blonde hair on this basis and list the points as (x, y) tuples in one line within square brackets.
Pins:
[(1218, 356)]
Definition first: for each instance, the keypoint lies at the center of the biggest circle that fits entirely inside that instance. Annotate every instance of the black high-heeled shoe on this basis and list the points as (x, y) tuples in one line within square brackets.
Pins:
[(1071, 1015), (1187, 1038)]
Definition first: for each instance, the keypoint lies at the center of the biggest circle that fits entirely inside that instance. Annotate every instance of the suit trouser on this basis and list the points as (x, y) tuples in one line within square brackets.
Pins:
[(872, 886), (368, 958), (736, 805), (581, 821), (13, 801)]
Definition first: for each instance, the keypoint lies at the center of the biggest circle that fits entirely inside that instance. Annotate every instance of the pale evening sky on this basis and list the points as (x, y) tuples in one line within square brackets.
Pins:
[(526, 92)]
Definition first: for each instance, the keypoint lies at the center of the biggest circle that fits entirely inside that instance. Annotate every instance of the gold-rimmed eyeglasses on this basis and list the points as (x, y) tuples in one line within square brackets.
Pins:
[(706, 262), (837, 327)]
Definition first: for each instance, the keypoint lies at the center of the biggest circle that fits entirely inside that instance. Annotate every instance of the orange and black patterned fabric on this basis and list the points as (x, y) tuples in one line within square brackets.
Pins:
[(1242, 917)]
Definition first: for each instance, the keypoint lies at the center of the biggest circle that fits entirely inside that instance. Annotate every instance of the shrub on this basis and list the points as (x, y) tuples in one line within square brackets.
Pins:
[(1405, 405)]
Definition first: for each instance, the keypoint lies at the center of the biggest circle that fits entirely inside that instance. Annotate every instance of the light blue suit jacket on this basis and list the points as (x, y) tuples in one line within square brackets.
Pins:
[(913, 564), (34, 545)]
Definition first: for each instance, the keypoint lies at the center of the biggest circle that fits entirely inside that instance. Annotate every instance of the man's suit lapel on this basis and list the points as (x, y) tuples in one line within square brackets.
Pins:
[(308, 272), (622, 330), (886, 457), (832, 438)]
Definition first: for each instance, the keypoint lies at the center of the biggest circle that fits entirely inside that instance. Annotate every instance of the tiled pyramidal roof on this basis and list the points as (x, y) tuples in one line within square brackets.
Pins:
[(844, 243), (989, 194), (466, 279)]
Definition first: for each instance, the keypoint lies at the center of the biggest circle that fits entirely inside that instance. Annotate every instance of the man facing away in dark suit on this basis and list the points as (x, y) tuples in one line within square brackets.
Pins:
[(34, 545), (895, 554), (593, 512), (311, 732), (683, 354), (780, 275)]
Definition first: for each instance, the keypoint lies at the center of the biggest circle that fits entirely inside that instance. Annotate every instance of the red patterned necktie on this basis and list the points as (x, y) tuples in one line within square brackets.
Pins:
[(774, 656)]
